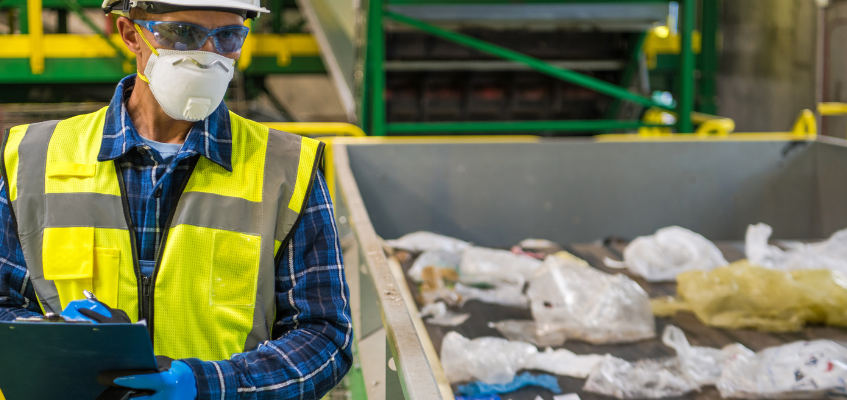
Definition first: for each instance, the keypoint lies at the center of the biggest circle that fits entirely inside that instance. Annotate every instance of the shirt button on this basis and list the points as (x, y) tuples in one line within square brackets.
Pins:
[(158, 192)]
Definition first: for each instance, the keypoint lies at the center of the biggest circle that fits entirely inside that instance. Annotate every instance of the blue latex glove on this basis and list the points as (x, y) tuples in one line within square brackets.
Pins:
[(94, 311), (176, 382), (526, 379)]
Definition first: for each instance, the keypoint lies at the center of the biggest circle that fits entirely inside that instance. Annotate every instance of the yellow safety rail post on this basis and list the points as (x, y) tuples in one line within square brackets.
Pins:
[(660, 41), (806, 125), (36, 37), (325, 132)]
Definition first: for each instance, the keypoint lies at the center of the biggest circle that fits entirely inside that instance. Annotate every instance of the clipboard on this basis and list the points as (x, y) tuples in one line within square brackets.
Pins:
[(42, 360)]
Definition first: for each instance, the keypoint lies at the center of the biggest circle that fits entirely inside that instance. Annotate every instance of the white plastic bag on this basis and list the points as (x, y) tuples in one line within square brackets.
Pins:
[(491, 360), (798, 370), (427, 241), (644, 379), (669, 252), (585, 303), (435, 258), (494, 267), (829, 254), (527, 331), (702, 365), (507, 295), (495, 360), (438, 314), (565, 363)]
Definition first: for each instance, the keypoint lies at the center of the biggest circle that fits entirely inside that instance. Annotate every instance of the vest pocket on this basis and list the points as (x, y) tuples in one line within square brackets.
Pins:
[(68, 260), (107, 263), (71, 170), (235, 268)]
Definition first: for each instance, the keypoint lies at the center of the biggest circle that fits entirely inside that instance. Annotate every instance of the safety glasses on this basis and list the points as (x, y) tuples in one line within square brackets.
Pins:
[(186, 36)]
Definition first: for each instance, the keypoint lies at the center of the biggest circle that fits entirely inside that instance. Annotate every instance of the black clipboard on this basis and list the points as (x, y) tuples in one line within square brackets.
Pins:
[(43, 360)]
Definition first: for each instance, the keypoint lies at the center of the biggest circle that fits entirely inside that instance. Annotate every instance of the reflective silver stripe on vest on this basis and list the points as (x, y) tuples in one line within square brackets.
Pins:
[(84, 209), (240, 215), (29, 208), (281, 163)]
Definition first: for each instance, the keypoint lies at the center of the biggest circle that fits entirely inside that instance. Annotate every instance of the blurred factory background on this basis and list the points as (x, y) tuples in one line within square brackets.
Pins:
[(410, 67)]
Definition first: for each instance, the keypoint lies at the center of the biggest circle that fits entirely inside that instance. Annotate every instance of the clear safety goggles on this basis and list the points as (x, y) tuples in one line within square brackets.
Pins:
[(187, 36)]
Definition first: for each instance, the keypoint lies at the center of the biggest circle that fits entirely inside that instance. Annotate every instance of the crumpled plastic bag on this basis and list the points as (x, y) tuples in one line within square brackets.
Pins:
[(527, 331), (702, 365), (798, 370), (506, 295), (587, 304), (692, 368), (829, 254), (438, 314), (742, 295), (434, 258), (481, 265), (548, 382), (643, 379), (427, 241), (497, 361), (536, 248), (669, 252)]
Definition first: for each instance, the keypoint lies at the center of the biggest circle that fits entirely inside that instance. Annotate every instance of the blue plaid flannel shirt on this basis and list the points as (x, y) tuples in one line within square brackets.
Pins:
[(313, 329)]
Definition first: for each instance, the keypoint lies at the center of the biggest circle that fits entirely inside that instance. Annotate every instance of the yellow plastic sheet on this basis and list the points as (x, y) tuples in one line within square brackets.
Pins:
[(742, 295)]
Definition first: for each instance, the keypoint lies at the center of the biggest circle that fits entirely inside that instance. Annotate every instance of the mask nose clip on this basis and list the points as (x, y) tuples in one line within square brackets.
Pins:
[(201, 65)]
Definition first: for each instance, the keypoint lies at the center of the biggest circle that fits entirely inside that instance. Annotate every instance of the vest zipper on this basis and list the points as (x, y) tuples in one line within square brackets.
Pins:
[(152, 281), (145, 297)]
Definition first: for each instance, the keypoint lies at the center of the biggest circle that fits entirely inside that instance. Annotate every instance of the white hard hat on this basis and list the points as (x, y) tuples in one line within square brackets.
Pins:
[(249, 8)]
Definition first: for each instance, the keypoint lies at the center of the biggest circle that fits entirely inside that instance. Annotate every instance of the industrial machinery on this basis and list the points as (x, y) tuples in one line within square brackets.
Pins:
[(542, 66)]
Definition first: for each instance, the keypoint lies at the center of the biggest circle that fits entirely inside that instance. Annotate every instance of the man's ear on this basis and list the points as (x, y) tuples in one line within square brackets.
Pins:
[(130, 36)]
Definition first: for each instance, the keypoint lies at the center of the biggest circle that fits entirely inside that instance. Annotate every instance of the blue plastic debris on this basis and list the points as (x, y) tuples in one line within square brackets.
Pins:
[(526, 379)]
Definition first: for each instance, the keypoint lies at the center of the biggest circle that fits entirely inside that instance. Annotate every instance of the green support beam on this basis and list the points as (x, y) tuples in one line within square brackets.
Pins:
[(709, 57), (435, 128), (686, 66), (375, 59), (534, 63)]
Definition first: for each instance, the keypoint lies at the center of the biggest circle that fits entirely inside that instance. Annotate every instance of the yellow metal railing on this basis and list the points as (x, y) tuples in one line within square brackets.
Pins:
[(661, 41)]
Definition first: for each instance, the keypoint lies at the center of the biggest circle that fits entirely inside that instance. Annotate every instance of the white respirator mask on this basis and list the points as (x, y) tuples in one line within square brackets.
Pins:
[(189, 85)]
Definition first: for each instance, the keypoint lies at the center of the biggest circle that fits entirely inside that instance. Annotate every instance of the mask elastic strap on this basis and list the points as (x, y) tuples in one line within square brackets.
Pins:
[(140, 75)]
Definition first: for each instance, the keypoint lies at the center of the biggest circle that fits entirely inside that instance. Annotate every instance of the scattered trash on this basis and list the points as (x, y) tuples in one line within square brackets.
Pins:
[(646, 379), (830, 254), (433, 286), (494, 267), (692, 368), (527, 331), (427, 241), (587, 304), (669, 252), (496, 360), (444, 260), (523, 380), (438, 314), (536, 248), (506, 295), (488, 359), (804, 370), (742, 295)]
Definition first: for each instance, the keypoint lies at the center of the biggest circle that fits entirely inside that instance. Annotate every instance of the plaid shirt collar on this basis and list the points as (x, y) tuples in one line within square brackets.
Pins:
[(211, 137)]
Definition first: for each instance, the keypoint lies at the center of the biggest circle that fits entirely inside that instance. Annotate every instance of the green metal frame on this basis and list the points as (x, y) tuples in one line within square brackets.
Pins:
[(372, 105)]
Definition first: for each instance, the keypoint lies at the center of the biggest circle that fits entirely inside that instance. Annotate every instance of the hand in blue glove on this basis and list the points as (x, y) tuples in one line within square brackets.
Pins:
[(94, 311), (173, 381)]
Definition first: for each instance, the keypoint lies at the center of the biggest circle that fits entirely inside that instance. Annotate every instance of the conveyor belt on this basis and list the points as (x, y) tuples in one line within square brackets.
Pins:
[(697, 333)]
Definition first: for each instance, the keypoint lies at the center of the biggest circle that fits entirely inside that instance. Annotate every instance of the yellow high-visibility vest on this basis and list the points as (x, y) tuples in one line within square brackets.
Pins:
[(212, 293)]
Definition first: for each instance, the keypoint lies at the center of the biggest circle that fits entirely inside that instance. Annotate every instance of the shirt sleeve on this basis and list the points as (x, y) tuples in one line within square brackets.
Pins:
[(313, 333), (17, 295)]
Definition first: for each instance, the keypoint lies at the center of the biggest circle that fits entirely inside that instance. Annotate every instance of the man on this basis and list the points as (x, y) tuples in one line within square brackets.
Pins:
[(215, 230)]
